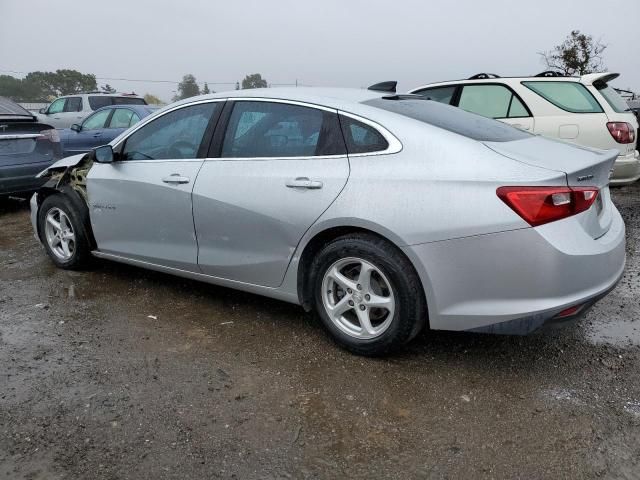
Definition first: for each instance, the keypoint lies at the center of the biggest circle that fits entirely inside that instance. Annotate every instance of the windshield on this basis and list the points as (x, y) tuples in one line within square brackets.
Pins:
[(451, 118), (611, 96)]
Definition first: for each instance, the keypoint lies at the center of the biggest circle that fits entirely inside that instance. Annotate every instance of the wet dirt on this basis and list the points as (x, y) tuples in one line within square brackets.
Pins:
[(119, 372)]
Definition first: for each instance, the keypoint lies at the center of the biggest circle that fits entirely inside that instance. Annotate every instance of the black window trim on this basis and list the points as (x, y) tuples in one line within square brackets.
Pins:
[(206, 137), (500, 84), (215, 148), (524, 82)]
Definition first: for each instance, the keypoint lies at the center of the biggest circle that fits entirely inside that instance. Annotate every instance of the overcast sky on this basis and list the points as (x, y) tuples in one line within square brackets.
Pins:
[(322, 43)]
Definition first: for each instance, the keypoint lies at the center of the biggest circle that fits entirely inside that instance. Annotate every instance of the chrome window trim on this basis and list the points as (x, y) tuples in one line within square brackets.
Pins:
[(150, 118), (394, 145), (283, 100)]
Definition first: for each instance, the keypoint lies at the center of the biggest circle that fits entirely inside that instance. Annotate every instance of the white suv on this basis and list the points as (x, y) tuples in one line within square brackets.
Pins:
[(69, 109), (583, 110)]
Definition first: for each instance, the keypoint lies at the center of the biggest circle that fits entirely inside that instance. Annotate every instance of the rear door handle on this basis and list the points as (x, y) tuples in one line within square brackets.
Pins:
[(96, 135), (303, 182), (175, 179)]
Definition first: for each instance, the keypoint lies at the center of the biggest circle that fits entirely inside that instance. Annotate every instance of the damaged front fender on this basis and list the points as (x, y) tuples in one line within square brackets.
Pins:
[(62, 165)]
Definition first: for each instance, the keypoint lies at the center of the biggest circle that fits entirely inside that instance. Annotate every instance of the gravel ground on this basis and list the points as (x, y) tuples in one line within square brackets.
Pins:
[(123, 373)]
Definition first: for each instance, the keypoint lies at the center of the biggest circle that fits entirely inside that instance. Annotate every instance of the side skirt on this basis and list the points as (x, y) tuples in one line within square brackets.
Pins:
[(246, 287)]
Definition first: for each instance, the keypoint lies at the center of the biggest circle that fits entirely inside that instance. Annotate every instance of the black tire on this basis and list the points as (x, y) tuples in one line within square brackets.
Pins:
[(410, 315), (81, 257)]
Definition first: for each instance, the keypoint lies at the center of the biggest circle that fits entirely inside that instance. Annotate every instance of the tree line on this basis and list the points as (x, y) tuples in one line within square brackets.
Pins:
[(45, 86)]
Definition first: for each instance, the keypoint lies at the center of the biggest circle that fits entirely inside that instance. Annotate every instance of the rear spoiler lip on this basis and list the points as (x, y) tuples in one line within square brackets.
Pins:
[(593, 78)]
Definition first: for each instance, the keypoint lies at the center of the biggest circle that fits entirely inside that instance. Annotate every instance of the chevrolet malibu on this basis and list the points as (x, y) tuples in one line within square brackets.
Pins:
[(384, 213)]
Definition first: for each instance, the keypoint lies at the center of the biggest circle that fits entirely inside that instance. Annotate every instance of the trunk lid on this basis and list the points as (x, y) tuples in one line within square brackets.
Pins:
[(22, 144), (582, 166)]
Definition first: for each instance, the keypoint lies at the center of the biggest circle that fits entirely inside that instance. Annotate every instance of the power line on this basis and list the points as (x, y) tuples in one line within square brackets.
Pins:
[(161, 81)]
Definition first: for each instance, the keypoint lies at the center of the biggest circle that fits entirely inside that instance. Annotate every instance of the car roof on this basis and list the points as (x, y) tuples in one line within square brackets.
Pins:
[(144, 109), (587, 79), (338, 98)]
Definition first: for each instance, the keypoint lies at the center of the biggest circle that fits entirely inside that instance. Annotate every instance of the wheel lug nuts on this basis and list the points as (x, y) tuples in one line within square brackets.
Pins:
[(362, 307), (351, 303), (359, 287), (349, 290), (367, 297)]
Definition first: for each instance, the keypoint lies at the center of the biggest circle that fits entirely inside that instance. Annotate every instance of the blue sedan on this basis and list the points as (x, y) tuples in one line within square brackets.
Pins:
[(101, 127)]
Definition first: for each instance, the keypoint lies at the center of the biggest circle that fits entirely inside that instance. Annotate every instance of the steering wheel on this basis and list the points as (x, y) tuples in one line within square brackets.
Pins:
[(175, 150)]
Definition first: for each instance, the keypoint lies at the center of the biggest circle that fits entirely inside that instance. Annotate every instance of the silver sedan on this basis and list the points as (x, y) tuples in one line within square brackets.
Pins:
[(384, 213)]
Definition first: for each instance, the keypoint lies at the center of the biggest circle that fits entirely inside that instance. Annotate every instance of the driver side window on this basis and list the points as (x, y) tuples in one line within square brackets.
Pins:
[(57, 106), (175, 135)]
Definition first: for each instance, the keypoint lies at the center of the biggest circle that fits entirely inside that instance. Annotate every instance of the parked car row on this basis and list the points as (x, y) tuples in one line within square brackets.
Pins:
[(69, 109), (582, 110), (384, 213)]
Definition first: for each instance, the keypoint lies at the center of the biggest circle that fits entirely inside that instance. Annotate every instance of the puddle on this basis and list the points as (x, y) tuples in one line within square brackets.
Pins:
[(615, 332)]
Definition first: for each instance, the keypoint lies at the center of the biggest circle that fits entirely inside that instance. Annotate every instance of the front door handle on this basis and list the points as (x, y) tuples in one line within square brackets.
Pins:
[(175, 179), (96, 135), (303, 182)]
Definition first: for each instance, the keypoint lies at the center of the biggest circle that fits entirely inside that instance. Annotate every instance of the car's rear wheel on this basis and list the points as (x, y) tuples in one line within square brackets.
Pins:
[(62, 233), (367, 294)]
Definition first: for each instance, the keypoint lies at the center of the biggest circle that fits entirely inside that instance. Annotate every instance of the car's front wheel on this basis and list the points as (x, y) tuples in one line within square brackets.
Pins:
[(62, 233), (367, 294)]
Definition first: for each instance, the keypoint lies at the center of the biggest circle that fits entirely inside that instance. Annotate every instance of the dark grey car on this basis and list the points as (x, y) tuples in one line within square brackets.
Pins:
[(26, 147)]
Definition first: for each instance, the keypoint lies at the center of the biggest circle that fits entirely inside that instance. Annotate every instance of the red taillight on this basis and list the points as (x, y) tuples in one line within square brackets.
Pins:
[(51, 135), (540, 205), (622, 132)]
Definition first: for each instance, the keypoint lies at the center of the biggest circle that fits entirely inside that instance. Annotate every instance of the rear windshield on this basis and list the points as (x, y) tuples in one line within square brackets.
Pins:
[(97, 102), (7, 107), (128, 101), (611, 96), (451, 118), (569, 96)]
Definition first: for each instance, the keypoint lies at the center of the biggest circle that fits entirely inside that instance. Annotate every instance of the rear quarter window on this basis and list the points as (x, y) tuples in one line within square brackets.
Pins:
[(569, 96), (451, 119)]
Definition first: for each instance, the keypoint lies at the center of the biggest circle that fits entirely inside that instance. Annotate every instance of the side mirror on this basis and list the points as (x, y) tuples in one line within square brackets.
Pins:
[(42, 111), (103, 154), (75, 127)]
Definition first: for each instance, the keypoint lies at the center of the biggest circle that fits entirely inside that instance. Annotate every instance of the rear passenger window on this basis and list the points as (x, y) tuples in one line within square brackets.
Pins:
[(362, 138), (74, 104), (277, 130), (569, 96), (438, 94), (121, 118), (493, 101)]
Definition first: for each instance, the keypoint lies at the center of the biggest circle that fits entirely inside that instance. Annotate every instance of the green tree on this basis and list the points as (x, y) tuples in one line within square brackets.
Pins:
[(254, 80), (106, 88), (206, 90), (579, 54), (152, 99), (62, 82), (188, 87)]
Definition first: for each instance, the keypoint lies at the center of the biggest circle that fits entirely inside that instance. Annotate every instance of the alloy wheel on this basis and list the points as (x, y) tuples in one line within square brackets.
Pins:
[(358, 298)]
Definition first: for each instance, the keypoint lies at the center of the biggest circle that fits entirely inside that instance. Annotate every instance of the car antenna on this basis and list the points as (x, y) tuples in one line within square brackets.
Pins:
[(389, 86)]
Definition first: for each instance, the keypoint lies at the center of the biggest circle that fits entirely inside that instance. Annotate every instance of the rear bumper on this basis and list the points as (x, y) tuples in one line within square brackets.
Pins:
[(21, 178), (514, 282), (626, 170)]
